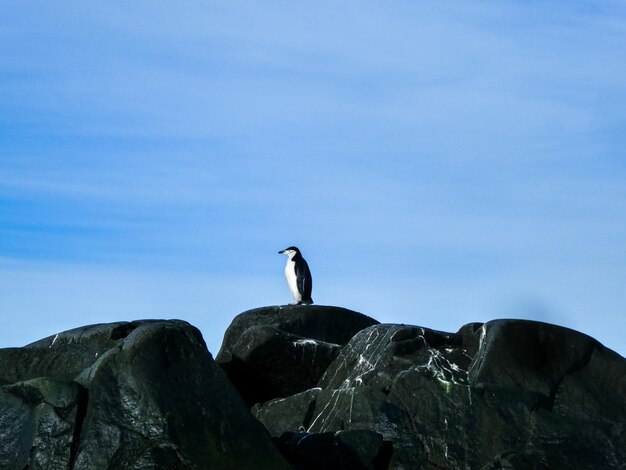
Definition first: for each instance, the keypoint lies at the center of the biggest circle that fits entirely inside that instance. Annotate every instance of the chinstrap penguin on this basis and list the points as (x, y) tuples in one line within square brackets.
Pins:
[(298, 276)]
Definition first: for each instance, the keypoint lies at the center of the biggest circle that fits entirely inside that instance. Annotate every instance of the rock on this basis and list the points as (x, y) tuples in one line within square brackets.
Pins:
[(275, 352), (143, 394), (344, 450), (504, 394), (369, 446), (267, 362), (291, 414), (37, 423), (324, 323), (528, 354), (336, 390)]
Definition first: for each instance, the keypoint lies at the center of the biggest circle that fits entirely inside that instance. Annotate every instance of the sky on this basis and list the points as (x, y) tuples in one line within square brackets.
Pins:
[(438, 163)]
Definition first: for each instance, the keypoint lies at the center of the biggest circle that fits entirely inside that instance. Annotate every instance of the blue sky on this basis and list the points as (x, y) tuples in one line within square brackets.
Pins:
[(437, 164)]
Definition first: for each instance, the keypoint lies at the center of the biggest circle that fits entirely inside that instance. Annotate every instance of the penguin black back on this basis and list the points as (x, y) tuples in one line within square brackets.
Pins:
[(298, 276)]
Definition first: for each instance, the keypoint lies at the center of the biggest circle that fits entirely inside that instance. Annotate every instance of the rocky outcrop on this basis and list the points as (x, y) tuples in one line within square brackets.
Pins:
[(504, 394), (278, 351), (140, 395), (330, 388)]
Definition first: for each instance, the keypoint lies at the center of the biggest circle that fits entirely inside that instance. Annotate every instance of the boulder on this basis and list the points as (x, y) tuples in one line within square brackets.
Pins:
[(275, 352), (504, 394), (144, 394), (290, 414)]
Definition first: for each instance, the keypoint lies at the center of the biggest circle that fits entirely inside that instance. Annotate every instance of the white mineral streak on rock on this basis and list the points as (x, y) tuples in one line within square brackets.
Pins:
[(335, 395), (446, 372), (305, 344), (365, 363)]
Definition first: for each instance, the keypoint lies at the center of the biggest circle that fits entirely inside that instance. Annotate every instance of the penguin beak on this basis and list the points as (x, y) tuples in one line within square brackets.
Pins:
[(281, 252)]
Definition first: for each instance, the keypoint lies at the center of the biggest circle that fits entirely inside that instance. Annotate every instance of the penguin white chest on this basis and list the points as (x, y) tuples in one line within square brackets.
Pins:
[(290, 274)]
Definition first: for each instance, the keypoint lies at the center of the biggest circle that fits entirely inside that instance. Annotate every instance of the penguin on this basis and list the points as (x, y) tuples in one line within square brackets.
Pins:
[(298, 276)]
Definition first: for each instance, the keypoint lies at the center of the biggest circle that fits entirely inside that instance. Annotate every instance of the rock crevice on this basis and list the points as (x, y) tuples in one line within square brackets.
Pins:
[(82, 401)]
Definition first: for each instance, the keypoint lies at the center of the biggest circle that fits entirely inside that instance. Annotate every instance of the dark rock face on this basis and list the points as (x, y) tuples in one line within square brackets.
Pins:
[(504, 394), (354, 450), (140, 395), (275, 352), (292, 414), (331, 388)]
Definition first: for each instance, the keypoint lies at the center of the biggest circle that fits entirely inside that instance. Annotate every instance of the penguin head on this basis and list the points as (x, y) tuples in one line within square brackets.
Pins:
[(290, 252)]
